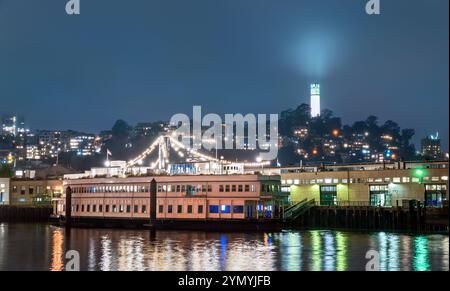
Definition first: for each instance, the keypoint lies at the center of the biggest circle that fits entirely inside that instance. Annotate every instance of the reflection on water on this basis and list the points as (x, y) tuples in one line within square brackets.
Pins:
[(42, 247)]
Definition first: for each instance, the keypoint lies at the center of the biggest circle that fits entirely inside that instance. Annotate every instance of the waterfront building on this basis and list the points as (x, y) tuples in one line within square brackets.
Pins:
[(4, 191), (35, 192), (184, 197), (384, 185)]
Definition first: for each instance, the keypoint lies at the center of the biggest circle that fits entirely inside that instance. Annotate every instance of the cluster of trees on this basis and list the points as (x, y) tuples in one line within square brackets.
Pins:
[(327, 126)]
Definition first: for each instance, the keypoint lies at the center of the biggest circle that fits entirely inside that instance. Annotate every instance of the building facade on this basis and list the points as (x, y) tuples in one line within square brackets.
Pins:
[(185, 197), (431, 147), (372, 185), (4, 191), (35, 192)]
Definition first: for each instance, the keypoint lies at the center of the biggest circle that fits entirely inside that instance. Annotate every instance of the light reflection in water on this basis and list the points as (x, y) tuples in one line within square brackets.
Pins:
[(421, 259), (291, 254), (105, 259), (316, 257), (341, 245), (330, 252), (383, 245), (91, 255), (292, 250), (57, 254)]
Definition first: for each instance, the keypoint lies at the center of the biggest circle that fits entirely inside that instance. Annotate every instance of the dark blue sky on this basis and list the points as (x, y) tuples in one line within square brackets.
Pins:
[(144, 60)]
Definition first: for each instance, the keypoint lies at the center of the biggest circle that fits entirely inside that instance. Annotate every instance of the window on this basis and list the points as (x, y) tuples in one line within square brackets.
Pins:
[(136, 208), (227, 188), (233, 188), (100, 208), (180, 209), (128, 208), (238, 209), (396, 180), (39, 190), (328, 195), (178, 188), (379, 196), (94, 208), (161, 209), (31, 191), (406, 179), (200, 209), (107, 208), (82, 208), (121, 208), (189, 209), (213, 208), (77, 208), (169, 209), (247, 188), (114, 208), (240, 188), (225, 208), (144, 209), (88, 208), (209, 188)]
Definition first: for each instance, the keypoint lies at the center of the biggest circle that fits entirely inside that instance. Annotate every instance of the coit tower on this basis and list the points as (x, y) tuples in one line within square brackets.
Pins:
[(315, 100)]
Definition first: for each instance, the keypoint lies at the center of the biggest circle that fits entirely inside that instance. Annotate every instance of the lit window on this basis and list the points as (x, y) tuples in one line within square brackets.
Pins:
[(415, 180), (444, 178), (296, 182), (328, 181), (396, 180), (225, 208), (406, 179), (435, 179), (289, 182), (335, 181)]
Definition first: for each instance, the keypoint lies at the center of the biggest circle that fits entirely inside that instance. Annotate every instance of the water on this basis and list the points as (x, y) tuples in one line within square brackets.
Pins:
[(42, 247)]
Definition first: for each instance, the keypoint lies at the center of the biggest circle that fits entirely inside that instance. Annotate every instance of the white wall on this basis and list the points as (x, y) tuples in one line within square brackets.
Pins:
[(4, 191)]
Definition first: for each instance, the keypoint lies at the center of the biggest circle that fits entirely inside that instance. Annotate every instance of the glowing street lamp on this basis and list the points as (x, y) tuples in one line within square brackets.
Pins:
[(420, 173)]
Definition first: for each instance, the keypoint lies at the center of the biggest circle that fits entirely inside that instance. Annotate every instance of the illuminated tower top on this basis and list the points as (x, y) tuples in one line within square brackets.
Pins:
[(315, 100)]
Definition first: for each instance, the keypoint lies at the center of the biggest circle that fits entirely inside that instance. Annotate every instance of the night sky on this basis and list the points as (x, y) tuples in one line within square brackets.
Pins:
[(145, 60)]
